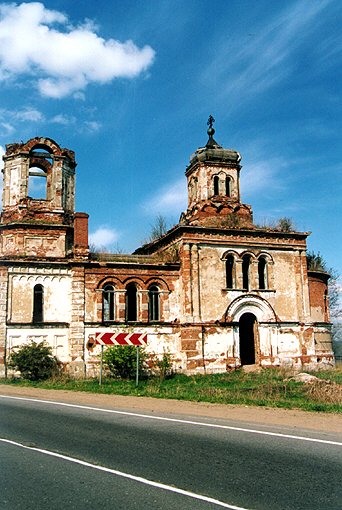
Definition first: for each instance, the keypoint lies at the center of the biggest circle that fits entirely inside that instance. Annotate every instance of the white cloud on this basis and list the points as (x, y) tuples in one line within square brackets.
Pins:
[(6, 128), (103, 237), (79, 95), (88, 126), (28, 113), (9, 119), (92, 126), (63, 59), (63, 119), (259, 176), (169, 200)]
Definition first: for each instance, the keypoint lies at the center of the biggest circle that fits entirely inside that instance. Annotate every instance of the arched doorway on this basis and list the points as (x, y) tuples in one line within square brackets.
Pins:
[(247, 329)]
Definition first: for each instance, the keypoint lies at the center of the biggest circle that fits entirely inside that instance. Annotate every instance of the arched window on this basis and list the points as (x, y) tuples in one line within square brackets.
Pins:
[(216, 185), (246, 261), (262, 273), (38, 302), (108, 303), (230, 272), (37, 183), (40, 165), (228, 190), (131, 303), (153, 303)]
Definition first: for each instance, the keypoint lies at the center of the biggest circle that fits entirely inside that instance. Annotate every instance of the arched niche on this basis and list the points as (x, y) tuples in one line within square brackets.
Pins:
[(253, 304)]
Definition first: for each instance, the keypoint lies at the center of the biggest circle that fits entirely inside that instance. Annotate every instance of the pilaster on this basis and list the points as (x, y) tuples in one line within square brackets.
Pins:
[(3, 312), (195, 282), (186, 281), (77, 315)]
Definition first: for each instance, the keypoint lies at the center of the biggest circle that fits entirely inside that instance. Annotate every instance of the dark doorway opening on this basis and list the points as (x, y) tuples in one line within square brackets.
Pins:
[(247, 327)]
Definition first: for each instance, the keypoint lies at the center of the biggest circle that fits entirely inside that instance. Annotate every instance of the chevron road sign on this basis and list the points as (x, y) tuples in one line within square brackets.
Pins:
[(137, 339)]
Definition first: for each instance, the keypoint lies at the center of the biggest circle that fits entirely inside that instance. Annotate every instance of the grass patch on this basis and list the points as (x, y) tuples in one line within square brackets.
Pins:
[(269, 387)]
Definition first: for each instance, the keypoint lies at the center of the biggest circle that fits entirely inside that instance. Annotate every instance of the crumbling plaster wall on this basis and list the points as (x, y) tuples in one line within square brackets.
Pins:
[(201, 185), (285, 281), (20, 281), (57, 299), (3, 312), (28, 243), (217, 348), (284, 331), (161, 338), (56, 338), (15, 181)]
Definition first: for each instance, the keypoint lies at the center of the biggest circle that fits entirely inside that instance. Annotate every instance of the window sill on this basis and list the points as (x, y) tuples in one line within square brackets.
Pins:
[(247, 290), (38, 325), (263, 290), (128, 323)]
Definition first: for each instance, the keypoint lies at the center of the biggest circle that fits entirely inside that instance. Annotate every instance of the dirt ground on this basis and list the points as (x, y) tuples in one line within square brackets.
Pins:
[(323, 422)]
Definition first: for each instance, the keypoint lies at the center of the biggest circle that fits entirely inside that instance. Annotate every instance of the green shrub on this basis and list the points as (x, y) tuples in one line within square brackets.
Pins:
[(121, 361), (162, 366), (35, 361)]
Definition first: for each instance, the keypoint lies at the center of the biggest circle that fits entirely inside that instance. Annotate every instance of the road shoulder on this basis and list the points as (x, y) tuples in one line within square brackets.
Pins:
[(323, 422)]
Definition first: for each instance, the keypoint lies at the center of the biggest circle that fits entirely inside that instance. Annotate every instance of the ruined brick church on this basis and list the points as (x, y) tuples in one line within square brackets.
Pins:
[(216, 291)]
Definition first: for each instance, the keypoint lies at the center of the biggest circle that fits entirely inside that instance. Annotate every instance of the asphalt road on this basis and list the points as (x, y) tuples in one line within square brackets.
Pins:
[(52, 457)]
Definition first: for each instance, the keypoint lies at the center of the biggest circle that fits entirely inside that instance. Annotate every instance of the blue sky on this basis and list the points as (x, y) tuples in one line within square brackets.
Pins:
[(129, 87)]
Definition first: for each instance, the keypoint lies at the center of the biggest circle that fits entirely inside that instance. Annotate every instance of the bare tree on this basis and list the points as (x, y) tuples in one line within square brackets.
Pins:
[(95, 249), (158, 228)]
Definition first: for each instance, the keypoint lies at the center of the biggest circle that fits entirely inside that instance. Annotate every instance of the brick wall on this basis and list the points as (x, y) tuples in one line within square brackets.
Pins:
[(81, 233), (318, 291)]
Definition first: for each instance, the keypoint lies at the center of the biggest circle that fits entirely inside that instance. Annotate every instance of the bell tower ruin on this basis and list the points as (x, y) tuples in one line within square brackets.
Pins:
[(38, 200), (213, 178)]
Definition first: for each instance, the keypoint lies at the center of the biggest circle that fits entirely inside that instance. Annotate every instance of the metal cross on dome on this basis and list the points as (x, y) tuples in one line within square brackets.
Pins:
[(211, 121), (211, 130)]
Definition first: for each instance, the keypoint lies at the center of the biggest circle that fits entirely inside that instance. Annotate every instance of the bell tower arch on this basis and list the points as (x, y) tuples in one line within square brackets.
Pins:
[(41, 166)]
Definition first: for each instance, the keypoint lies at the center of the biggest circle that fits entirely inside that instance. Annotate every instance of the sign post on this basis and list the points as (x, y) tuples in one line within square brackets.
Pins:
[(137, 369), (110, 338), (101, 365)]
